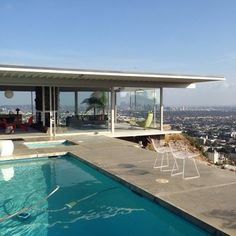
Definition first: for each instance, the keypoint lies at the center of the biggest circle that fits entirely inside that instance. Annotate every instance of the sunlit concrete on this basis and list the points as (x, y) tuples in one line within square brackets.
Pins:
[(209, 201)]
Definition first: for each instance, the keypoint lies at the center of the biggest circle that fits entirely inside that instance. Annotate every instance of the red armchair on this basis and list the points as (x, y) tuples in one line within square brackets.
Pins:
[(24, 126)]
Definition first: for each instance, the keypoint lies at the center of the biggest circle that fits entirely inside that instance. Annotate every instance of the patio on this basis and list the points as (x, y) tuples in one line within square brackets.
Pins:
[(207, 201)]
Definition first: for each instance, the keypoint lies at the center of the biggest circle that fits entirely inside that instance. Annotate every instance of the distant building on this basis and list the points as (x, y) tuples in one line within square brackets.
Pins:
[(233, 135), (214, 156), (201, 141)]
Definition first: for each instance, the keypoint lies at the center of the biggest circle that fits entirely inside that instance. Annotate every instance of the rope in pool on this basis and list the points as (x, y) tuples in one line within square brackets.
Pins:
[(9, 216), (72, 204), (67, 205)]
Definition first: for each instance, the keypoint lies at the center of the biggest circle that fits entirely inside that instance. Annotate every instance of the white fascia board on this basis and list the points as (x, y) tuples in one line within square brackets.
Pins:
[(107, 73)]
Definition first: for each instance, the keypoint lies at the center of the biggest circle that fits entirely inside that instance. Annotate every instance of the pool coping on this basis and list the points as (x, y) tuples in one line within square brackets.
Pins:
[(30, 156), (61, 141), (134, 188)]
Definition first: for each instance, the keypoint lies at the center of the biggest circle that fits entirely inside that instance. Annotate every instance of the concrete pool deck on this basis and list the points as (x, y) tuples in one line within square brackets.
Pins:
[(210, 198)]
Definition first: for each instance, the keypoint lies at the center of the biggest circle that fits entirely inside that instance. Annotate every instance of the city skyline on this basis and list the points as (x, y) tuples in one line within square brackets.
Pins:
[(155, 36)]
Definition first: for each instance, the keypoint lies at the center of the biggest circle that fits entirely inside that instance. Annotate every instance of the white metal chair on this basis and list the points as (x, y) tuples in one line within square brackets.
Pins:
[(180, 151), (162, 151)]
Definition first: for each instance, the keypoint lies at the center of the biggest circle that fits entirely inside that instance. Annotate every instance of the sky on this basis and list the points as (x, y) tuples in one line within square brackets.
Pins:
[(168, 36)]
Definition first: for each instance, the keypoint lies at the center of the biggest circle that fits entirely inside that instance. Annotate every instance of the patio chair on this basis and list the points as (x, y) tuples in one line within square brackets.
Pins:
[(145, 124), (8, 126), (180, 151), (162, 151), (24, 126)]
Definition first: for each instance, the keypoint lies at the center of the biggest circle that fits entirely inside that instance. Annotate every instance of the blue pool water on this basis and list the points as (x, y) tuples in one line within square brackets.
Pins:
[(48, 144), (86, 203)]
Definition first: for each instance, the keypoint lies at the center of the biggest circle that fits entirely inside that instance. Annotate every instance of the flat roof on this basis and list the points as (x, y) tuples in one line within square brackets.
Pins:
[(15, 75)]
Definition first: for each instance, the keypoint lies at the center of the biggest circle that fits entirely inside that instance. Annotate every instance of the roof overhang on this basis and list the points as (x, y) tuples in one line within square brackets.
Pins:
[(86, 79)]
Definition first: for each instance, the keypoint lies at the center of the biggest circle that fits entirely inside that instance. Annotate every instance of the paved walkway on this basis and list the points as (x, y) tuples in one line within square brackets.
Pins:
[(210, 198)]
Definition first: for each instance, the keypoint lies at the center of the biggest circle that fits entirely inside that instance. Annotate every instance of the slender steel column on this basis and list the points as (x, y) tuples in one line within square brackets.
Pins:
[(155, 110), (54, 112), (108, 110), (58, 105), (76, 103), (112, 110), (43, 106), (115, 115), (32, 103), (50, 111), (161, 109)]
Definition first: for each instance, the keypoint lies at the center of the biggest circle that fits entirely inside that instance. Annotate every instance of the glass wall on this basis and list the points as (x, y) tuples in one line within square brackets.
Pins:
[(138, 108), (17, 109), (66, 107), (84, 111)]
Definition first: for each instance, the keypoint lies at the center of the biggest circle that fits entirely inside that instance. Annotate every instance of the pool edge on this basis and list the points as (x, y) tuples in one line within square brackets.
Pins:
[(176, 210)]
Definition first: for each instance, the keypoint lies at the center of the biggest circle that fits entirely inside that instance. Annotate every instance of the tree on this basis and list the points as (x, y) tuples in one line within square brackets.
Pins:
[(97, 100)]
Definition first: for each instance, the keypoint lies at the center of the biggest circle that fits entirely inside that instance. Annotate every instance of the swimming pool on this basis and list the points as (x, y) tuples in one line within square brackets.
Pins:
[(48, 144), (84, 202)]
